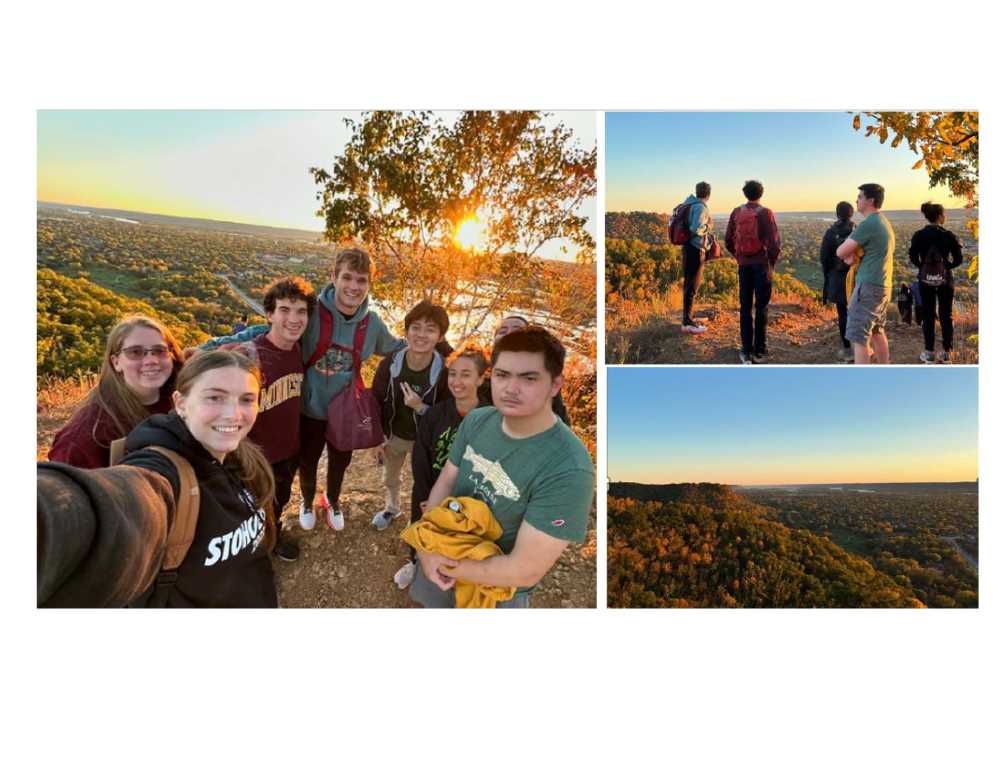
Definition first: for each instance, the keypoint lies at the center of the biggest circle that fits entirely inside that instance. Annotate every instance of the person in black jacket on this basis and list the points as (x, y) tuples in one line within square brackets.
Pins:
[(436, 430), (509, 324), (406, 384), (101, 533), (935, 252), (904, 302), (835, 272)]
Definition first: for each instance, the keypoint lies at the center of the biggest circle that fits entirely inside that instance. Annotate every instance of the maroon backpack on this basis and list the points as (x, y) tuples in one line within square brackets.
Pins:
[(747, 240), (352, 417), (678, 229)]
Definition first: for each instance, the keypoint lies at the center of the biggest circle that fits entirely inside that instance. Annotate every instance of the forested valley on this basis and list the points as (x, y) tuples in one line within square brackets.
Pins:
[(708, 545)]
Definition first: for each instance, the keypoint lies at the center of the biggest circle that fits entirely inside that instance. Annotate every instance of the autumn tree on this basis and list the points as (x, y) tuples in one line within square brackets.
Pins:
[(947, 146), (458, 212)]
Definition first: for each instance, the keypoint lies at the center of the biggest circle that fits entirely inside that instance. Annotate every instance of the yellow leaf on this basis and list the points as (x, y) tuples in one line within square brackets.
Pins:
[(918, 164), (857, 122)]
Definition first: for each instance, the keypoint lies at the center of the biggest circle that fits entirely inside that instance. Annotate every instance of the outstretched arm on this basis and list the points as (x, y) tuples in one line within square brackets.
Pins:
[(101, 534), (241, 337)]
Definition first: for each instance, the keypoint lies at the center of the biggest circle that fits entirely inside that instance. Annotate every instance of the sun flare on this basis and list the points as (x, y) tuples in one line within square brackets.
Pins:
[(470, 233)]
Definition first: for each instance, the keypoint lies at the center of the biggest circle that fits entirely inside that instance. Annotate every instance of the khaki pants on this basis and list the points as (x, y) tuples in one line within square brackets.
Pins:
[(396, 451)]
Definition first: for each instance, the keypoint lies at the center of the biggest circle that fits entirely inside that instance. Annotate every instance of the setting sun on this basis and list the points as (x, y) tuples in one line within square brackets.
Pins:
[(471, 233)]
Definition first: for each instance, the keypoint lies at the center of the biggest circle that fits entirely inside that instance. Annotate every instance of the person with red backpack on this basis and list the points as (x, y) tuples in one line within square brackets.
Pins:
[(690, 227), (341, 334), (752, 238), (935, 252)]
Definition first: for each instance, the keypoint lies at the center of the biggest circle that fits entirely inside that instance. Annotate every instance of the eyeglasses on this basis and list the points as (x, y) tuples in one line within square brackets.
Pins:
[(136, 353)]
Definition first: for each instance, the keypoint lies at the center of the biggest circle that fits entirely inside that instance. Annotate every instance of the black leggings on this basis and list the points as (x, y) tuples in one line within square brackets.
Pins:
[(694, 267), (284, 474), (842, 322), (312, 437), (944, 295)]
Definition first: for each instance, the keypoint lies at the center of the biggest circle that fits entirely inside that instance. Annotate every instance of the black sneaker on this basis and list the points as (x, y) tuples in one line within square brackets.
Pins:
[(760, 359), (285, 550)]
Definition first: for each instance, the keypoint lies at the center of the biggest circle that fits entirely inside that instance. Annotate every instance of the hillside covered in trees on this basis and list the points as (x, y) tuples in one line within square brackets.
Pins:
[(705, 545)]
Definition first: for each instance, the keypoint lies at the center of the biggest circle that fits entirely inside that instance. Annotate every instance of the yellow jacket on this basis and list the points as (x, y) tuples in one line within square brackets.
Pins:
[(461, 529)]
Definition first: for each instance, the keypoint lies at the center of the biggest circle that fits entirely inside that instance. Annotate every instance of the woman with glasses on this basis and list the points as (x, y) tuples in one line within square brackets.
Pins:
[(103, 533), (141, 360)]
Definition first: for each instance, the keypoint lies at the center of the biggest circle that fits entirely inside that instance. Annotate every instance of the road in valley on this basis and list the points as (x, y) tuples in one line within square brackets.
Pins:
[(254, 305)]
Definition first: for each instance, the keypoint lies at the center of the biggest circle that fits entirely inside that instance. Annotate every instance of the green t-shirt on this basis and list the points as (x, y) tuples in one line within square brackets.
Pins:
[(875, 234), (546, 479), (403, 424)]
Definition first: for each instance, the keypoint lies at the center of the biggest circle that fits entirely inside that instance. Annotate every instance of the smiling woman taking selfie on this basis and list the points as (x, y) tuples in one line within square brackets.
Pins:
[(137, 379), (102, 534)]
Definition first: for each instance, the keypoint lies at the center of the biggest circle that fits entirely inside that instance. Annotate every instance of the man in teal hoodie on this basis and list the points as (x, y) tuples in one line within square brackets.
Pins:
[(693, 252), (346, 298)]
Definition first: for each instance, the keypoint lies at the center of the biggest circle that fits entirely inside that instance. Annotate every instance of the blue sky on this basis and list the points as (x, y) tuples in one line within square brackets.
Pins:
[(807, 161), (237, 165), (767, 425)]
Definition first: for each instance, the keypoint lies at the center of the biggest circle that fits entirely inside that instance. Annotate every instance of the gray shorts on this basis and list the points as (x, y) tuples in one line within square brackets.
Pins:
[(429, 595), (866, 312)]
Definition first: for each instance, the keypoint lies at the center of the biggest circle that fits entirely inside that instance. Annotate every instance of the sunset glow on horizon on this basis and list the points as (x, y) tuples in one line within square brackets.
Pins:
[(787, 426), (244, 166)]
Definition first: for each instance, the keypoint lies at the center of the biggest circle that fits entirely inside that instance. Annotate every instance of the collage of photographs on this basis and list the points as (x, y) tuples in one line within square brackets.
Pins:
[(368, 374)]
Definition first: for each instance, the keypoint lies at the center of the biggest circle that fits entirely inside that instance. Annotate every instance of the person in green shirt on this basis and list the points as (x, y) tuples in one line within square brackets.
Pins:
[(522, 461), (873, 243)]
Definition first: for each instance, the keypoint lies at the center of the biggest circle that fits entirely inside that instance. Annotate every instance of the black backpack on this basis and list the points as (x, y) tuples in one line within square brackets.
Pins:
[(933, 269)]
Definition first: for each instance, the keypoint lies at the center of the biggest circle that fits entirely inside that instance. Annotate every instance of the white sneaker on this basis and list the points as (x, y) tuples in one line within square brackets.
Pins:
[(745, 358), (927, 357), (382, 519), (693, 329), (307, 518), (404, 576), (335, 519)]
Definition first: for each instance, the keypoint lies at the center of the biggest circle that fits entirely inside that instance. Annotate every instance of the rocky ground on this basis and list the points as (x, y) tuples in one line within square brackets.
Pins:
[(796, 334), (353, 568)]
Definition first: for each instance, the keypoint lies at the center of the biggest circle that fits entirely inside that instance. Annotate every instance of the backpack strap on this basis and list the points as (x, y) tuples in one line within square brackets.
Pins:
[(359, 343), (325, 335), (181, 532), (117, 451)]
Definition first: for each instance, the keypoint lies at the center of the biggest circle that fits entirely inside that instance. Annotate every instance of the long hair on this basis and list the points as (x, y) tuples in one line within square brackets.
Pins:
[(248, 460), (111, 394)]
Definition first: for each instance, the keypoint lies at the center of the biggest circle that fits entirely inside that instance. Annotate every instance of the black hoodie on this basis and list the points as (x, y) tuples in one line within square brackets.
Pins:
[(834, 269), (227, 564), (100, 536), (947, 245)]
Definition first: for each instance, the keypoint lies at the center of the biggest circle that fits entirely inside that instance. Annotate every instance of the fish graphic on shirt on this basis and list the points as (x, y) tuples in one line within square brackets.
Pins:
[(493, 473)]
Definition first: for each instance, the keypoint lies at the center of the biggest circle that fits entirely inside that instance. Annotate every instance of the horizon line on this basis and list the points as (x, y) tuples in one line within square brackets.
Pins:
[(182, 216), (796, 211), (785, 484)]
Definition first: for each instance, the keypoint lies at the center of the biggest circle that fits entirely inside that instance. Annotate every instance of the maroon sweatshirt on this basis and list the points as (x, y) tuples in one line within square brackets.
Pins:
[(277, 427), (85, 441)]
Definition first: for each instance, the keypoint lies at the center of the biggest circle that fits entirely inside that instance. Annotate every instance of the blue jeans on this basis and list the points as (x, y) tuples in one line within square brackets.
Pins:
[(755, 294)]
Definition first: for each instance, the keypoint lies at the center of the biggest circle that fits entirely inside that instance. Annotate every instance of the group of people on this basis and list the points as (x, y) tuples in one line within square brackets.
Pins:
[(857, 262), (250, 411)]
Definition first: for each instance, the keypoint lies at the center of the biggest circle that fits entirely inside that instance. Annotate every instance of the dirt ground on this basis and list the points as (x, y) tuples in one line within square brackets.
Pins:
[(353, 568), (796, 334)]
